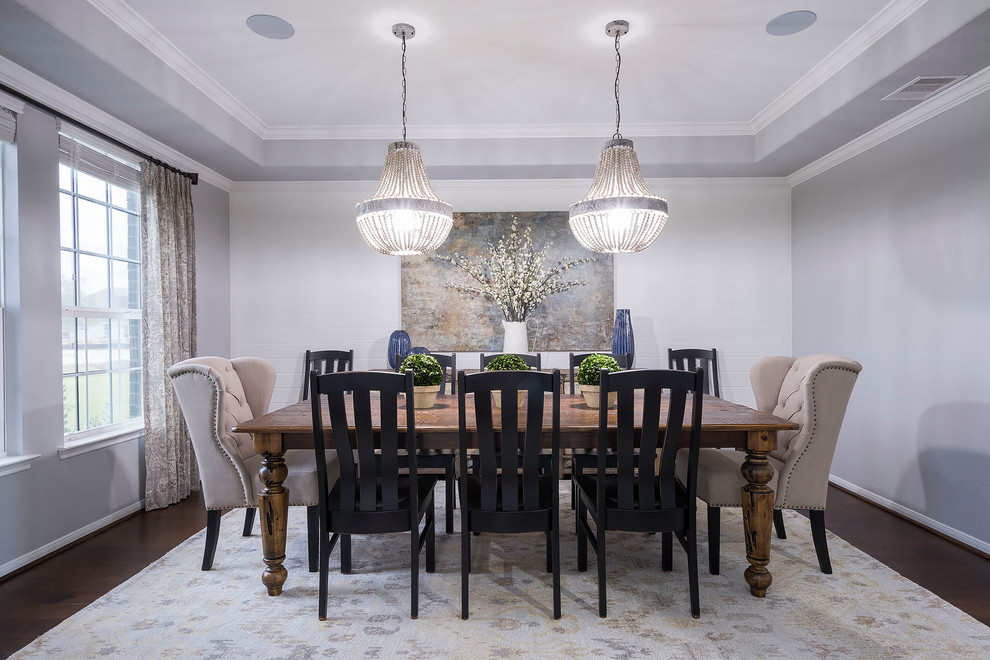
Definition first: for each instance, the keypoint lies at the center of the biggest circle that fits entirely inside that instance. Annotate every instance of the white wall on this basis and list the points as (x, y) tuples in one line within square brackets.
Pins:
[(59, 499), (892, 268), (719, 275)]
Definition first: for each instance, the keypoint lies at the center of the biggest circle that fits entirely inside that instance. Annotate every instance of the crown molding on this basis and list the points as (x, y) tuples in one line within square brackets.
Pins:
[(875, 29), (950, 98), (501, 131), (80, 112), (578, 186), (158, 45)]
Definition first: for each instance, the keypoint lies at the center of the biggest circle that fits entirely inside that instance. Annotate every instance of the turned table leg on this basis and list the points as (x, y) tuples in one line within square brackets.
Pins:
[(757, 506), (273, 505)]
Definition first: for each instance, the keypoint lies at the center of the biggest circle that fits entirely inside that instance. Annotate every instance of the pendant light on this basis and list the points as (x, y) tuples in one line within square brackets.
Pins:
[(404, 216), (619, 213)]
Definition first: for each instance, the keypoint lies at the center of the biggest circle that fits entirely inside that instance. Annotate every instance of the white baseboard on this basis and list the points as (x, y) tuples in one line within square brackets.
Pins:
[(59, 543), (911, 514)]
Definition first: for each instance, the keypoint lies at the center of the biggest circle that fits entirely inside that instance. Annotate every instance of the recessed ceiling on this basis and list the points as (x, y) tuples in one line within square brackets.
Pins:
[(514, 89)]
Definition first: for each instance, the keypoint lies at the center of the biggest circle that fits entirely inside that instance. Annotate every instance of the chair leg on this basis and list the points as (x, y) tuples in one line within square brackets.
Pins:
[(667, 551), (714, 542), (465, 562), (212, 534), (414, 568), (324, 567), (431, 538), (600, 537), (555, 541), (313, 536), (345, 553), (818, 535), (692, 558), (249, 520), (778, 523), (451, 495), (582, 535)]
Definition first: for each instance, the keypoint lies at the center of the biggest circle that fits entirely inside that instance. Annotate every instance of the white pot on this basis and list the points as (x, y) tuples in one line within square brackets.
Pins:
[(592, 395), (516, 339), (497, 395), (424, 396)]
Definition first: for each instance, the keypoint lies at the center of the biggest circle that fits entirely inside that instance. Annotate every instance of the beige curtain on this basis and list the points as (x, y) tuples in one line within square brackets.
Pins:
[(168, 254)]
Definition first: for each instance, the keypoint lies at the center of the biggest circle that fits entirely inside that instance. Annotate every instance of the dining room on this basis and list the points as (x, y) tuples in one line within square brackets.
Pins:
[(807, 216)]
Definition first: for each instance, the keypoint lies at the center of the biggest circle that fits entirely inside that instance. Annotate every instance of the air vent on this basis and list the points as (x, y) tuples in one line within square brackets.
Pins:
[(923, 88)]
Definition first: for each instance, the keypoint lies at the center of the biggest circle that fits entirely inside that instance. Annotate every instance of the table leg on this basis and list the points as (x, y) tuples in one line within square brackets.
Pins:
[(757, 506), (273, 503)]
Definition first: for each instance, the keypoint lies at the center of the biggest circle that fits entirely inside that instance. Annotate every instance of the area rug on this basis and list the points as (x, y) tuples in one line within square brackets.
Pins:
[(172, 609)]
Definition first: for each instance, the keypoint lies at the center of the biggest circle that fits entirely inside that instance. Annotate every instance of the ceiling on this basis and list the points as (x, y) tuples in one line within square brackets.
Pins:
[(513, 89)]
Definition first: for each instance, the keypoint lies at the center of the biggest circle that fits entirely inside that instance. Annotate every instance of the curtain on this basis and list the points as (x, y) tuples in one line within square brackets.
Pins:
[(168, 288)]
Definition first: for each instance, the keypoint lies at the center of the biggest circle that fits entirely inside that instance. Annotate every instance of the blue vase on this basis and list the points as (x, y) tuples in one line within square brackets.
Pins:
[(622, 335), (420, 350), (398, 343)]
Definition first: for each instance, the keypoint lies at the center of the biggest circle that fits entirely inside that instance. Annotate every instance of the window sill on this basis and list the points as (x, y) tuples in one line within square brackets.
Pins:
[(99, 442), (14, 464)]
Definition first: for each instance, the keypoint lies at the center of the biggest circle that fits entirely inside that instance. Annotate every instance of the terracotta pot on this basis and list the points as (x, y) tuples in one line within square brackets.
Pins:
[(424, 396), (591, 395)]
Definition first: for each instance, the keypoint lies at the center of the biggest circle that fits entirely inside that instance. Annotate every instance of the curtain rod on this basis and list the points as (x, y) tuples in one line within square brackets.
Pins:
[(192, 176)]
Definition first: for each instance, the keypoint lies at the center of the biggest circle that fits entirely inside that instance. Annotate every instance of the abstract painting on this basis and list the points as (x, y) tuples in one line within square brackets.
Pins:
[(442, 319)]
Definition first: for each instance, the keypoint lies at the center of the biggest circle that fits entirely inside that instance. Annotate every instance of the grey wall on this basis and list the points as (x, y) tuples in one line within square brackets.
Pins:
[(212, 210), (60, 499), (891, 266)]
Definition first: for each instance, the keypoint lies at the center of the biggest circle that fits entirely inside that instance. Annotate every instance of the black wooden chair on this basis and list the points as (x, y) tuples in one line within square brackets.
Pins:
[(689, 359), (583, 460), (509, 501), (440, 459), (325, 362), (532, 361), (576, 359), (644, 500), (371, 496)]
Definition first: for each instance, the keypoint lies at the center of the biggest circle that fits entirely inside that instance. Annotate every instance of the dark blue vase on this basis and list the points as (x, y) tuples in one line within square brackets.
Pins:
[(420, 350), (398, 343), (622, 335)]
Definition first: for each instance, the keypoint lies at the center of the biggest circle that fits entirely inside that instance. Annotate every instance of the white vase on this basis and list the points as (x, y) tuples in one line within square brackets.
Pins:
[(515, 338)]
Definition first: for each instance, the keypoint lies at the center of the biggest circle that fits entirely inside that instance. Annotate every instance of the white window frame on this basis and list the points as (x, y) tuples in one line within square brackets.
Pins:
[(81, 441)]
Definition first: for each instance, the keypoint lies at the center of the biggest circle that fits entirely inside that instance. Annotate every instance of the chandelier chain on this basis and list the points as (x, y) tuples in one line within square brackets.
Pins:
[(403, 87), (618, 65)]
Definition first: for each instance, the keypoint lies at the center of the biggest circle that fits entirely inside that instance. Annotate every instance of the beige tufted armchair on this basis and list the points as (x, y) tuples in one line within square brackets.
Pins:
[(217, 394), (812, 391)]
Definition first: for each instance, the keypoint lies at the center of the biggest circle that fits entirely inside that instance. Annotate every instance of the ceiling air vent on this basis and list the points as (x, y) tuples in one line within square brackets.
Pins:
[(923, 88)]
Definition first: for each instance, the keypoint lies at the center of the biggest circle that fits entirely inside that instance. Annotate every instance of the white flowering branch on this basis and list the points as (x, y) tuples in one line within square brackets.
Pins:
[(513, 275)]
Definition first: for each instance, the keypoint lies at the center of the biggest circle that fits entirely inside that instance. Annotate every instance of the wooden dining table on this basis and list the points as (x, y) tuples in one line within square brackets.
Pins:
[(724, 425)]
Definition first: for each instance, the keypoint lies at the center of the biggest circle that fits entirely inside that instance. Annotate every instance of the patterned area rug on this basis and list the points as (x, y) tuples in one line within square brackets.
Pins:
[(174, 610)]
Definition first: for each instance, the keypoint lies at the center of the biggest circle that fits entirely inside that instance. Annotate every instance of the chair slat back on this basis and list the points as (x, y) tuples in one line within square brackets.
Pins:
[(689, 359), (363, 469), (325, 362), (638, 489), (516, 452), (532, 361), (624, 360)]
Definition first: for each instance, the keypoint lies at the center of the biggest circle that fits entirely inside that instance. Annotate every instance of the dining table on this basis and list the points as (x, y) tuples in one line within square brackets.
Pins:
[(724, 425)]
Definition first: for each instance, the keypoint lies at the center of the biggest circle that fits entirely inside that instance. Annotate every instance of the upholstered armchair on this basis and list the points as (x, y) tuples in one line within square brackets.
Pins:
[(812, 391), (215, 395)]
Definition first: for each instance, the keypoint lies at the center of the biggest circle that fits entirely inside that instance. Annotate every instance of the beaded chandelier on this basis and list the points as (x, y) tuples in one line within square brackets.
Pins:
[(619, 213), (404, 216)]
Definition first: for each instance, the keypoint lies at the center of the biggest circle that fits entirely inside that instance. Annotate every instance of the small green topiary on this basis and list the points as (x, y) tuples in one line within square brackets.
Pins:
[(426, 370), (507, 362), (589, 373)]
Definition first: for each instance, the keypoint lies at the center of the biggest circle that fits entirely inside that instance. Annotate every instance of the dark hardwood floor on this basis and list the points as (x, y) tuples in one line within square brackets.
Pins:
[(41, 597)]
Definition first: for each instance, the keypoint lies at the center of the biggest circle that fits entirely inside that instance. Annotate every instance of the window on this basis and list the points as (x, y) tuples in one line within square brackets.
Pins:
[(101, 292)]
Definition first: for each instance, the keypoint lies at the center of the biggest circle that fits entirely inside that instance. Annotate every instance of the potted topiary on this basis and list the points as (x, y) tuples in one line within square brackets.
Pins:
[(589, 378), (507, 362), (427, 376)]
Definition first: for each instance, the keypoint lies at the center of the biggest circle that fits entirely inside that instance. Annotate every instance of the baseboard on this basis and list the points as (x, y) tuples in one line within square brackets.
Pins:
[(59, 543), (935, 526)]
